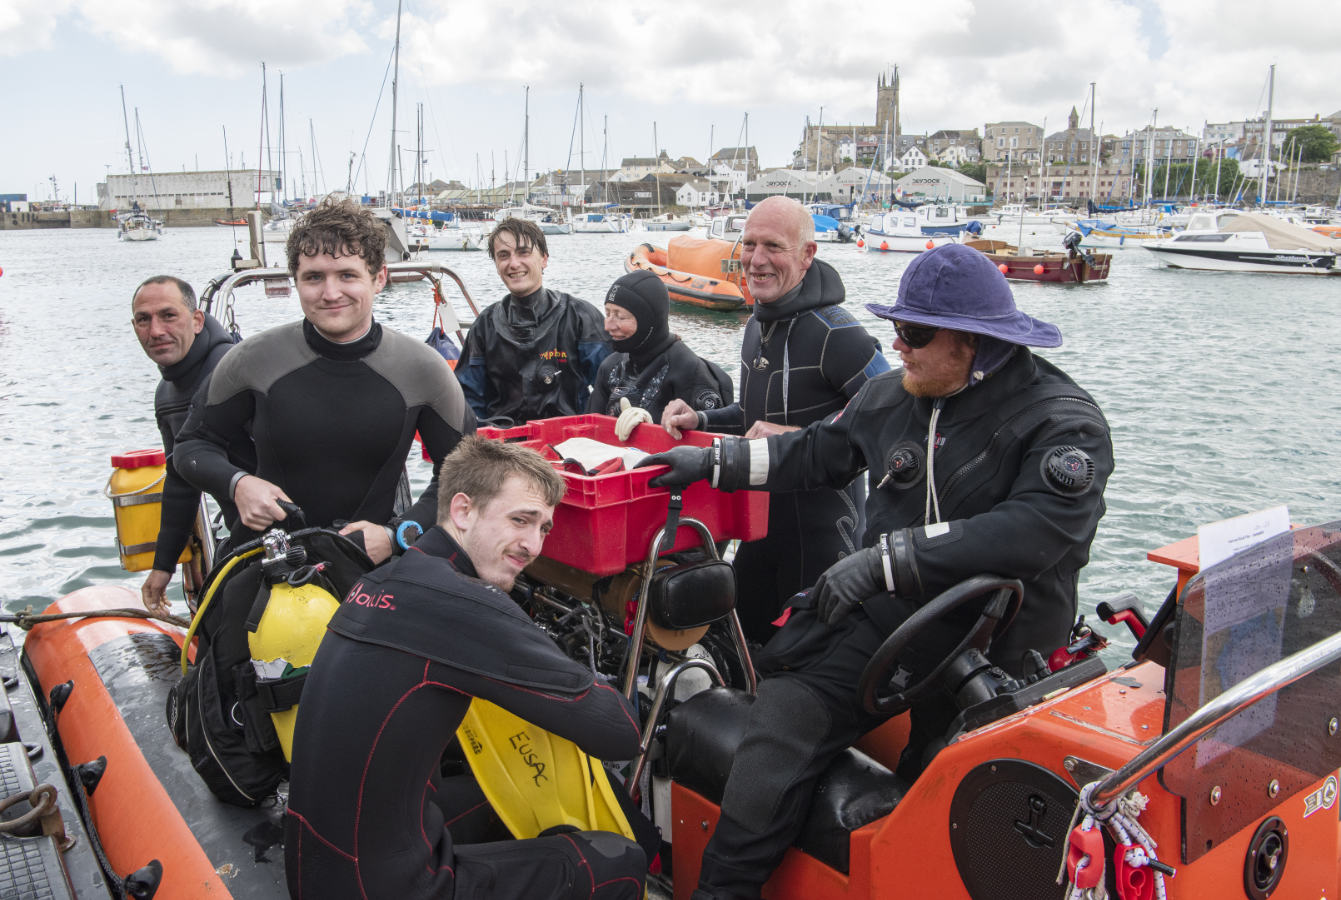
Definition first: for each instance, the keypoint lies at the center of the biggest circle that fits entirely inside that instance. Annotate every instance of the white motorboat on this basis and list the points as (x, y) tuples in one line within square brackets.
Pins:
[(457, 238), (912, 230), (138, 226), (1228, 240), (728, 227), (599, 223), (548, 219)]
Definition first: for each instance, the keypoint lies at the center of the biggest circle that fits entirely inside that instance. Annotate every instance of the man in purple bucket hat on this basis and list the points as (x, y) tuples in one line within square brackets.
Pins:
[(981, 458)]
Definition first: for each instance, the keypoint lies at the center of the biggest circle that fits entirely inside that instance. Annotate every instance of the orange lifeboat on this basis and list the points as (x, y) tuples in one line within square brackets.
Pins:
[(702, 272)]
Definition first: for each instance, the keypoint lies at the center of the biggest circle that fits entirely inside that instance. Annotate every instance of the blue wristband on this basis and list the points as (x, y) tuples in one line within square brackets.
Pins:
[(403, 539)]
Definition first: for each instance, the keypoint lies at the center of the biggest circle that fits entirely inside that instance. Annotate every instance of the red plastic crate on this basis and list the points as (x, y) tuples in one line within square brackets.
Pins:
[(606, 522)]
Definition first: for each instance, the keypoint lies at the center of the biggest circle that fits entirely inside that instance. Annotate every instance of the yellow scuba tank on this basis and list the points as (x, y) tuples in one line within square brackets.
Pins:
[(284, 641), (536, 780), (136, 491)]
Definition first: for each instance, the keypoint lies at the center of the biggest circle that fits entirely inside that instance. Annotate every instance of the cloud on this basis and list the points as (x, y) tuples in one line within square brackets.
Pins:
[(228, 37), (28, 25)]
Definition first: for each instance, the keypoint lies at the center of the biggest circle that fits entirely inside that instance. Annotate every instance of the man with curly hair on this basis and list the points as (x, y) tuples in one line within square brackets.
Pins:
[(332, 402)]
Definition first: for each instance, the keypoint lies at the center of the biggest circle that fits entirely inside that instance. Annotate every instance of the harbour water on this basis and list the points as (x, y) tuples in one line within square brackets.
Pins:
[(1222, 389)]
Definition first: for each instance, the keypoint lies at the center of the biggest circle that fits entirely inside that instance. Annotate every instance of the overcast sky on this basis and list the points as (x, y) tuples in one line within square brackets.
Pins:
[(679, 77)]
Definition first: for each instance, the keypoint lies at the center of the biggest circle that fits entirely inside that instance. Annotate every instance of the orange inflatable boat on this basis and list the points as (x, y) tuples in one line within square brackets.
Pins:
[(1205, 766), (703, 272)]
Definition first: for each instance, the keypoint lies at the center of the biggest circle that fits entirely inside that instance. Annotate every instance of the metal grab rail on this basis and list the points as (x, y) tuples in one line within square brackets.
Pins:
[(1273, 678)]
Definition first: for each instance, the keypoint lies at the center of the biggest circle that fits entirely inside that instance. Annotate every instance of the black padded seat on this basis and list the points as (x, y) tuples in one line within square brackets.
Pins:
[(702, 736)]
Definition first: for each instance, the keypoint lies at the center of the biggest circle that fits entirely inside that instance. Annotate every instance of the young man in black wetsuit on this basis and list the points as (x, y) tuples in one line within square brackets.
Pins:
[(331, 402), (802, 358), (186, 343), (370, 814), (534, 354)]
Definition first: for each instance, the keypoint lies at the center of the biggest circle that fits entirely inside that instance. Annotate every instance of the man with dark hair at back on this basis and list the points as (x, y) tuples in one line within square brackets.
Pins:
[(332, 402), (803, 356), (370, 814), (187, 344), (535, 353)]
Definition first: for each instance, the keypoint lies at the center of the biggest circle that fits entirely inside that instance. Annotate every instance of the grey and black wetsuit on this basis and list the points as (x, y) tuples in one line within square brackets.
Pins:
[(332, 424)]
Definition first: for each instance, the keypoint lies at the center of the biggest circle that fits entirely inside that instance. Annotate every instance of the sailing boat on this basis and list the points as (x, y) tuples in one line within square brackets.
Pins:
[(589, 222), (276, 229), (548, 219), (136, 225)]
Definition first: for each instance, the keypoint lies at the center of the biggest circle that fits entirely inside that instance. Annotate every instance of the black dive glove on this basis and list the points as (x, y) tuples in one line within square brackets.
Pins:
[(687, 465), (851, 580)]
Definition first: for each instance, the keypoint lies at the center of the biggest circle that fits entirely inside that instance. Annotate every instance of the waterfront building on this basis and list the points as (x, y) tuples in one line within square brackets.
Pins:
[(162, 191), (939, 183), (1021, 142)]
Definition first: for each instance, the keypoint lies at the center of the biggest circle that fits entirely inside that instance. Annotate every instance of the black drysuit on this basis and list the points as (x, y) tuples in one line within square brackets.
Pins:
[(172, 402), (1001, 512), (332, 424), (533, 357), (651, 380), (802, 358), (368, 813)]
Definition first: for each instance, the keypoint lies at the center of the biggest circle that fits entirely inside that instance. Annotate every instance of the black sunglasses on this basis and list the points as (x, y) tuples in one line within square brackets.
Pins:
[(915, 336)]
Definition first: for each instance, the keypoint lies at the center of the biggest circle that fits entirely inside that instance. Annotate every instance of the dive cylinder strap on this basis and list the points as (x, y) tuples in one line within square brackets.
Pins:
[(279, 694)]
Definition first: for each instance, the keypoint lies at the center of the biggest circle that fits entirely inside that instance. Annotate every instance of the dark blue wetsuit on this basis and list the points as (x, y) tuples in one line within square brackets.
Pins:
[(802, 358), (533, 357), (172, 402), (332, 423), (368, 813)]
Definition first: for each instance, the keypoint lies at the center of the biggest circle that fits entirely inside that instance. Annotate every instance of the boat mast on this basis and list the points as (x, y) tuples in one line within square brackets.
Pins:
[(1168, 164), (1094, 148), (228, 172), (265, 136), (1150, 155), (819, 147), (1219, 157), (283, 154), (130, 161), (1266, 169), (1195, 155), (526, 144), (312, 133), (581, 151), (1042, 152), (395, 84), (656, 166)]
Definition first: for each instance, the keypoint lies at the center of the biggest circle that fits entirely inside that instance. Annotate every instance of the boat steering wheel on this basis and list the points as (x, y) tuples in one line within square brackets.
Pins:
[(880, 696)]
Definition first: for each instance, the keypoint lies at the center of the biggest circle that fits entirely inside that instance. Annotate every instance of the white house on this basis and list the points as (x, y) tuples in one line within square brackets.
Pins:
[(912, 158), (953, 155), (696, 194)]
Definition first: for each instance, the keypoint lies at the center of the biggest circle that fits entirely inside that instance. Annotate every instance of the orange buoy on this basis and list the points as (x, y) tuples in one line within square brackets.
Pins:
[(1038, 269), (860, 243), (884, 245), (930, 244), (1004, 268)]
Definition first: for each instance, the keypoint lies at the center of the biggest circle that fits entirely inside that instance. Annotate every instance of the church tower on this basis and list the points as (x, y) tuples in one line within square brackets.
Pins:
[(887, 108)]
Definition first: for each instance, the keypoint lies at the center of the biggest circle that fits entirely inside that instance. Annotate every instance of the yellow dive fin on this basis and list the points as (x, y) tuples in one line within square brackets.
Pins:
[(536, 780)]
